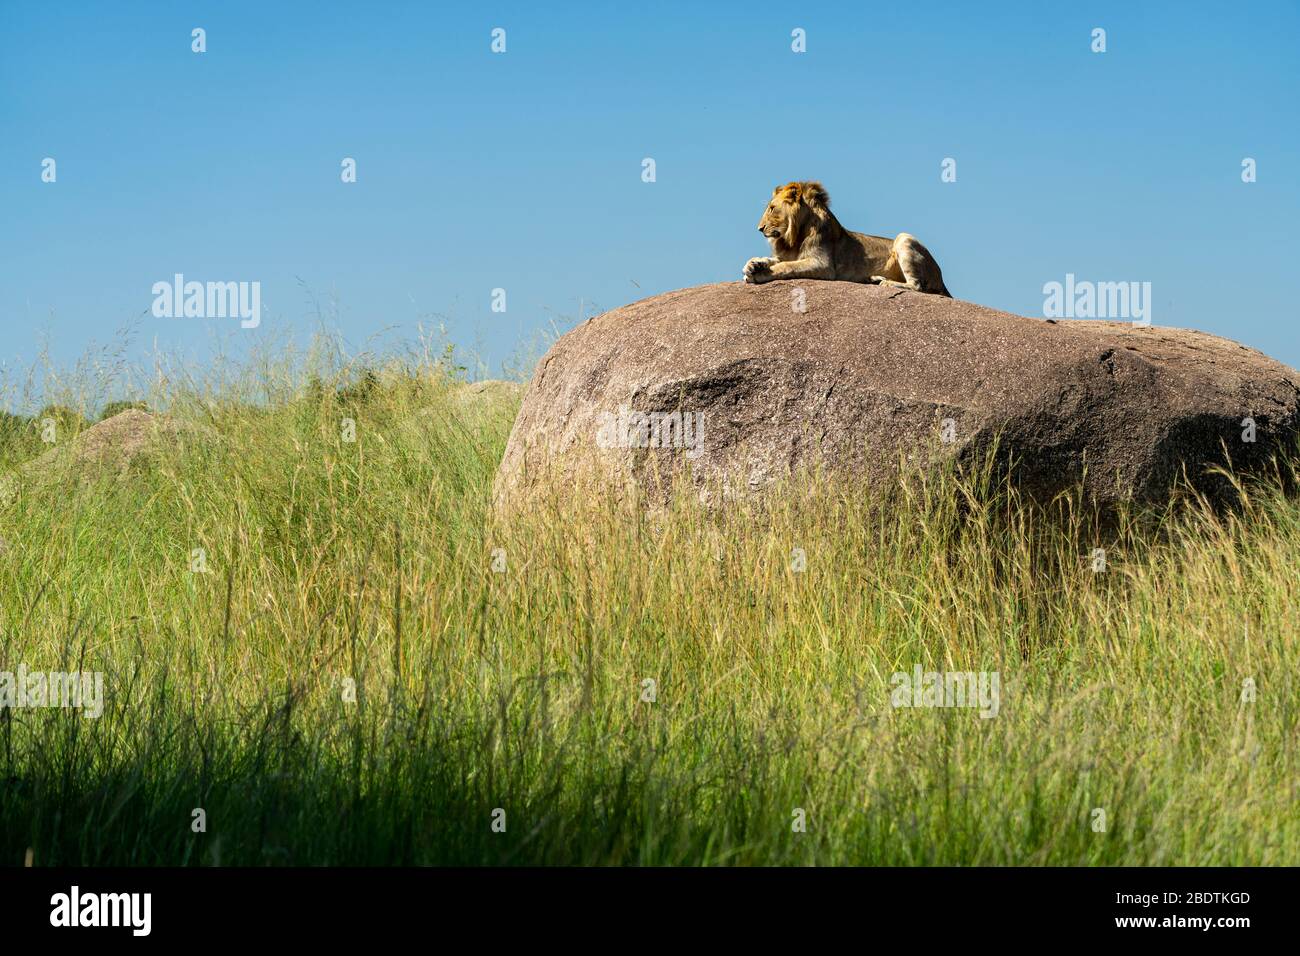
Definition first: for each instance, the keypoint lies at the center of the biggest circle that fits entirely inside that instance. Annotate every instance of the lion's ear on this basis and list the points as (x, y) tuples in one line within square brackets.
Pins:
[(815, 195), (788, 193)]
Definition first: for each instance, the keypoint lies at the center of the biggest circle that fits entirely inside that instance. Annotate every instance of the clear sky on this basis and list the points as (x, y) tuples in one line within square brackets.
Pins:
[(523, 170)]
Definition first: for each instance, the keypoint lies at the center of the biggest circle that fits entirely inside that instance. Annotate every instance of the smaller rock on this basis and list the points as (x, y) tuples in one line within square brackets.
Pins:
[(110, 447)]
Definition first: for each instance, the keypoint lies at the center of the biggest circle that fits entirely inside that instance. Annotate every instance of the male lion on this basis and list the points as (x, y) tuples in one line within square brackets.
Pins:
[(810, 243)]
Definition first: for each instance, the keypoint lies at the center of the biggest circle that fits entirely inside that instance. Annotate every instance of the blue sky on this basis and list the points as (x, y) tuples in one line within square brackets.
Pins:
[(522, 170)]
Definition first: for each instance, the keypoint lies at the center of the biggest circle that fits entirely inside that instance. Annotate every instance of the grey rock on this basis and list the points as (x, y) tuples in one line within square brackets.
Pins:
[(868, 378)]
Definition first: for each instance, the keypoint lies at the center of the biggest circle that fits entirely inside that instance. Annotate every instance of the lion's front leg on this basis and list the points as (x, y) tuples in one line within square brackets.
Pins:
[(802, 269), (758, 269)]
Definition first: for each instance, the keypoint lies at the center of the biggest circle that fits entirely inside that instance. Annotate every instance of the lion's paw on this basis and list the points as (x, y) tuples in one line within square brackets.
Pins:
[(758, 269)]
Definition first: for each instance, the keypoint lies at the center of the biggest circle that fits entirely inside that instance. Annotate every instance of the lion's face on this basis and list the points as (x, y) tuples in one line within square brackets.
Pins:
[(790, 211), (780, 214)]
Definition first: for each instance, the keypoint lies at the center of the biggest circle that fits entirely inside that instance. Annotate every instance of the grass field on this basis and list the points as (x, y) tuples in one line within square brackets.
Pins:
[(360, 677)]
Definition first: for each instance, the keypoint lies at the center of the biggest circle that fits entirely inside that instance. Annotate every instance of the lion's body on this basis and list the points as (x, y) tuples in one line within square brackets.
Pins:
[(808, 242)]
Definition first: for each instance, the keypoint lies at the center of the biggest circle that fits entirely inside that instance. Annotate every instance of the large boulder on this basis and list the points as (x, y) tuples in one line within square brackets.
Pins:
[(735, 384)]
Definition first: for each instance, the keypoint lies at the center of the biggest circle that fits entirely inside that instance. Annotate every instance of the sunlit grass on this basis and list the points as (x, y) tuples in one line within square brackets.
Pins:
[(334, 564)]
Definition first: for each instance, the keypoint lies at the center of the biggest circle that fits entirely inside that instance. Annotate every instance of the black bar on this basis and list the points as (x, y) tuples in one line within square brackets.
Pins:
[(333, 906)]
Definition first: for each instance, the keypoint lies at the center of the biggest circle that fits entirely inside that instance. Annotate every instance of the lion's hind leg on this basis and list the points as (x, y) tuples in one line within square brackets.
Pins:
[(881, 280), (919, 269)]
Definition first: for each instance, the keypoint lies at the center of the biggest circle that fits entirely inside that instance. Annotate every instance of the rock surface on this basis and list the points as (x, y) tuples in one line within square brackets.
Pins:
[(113, 444), (866, 377)]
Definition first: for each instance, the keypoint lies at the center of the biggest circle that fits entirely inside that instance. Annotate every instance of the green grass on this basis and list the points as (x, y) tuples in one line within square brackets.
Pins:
[(522, 690)]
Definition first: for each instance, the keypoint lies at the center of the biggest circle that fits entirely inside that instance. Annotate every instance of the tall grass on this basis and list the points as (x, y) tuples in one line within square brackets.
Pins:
[(351, 681)]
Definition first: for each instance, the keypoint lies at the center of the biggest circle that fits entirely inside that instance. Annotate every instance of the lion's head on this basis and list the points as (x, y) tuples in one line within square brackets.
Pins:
[(793, 208)]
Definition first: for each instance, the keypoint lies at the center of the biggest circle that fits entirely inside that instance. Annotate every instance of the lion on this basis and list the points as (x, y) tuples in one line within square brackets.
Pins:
[(809, 243)]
